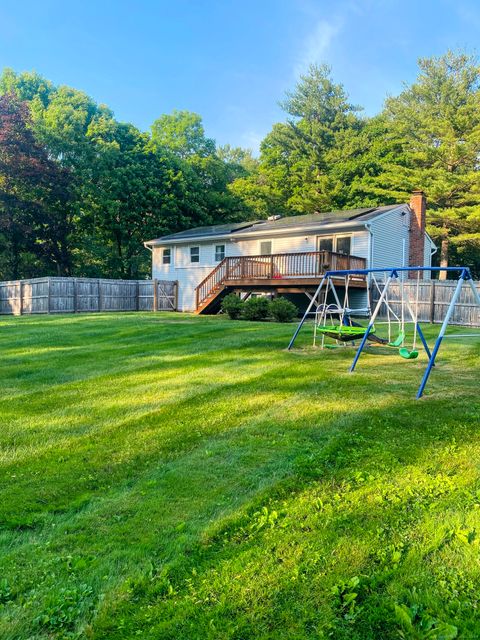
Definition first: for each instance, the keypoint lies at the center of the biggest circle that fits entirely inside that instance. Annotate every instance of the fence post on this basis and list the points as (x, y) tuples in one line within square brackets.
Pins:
[(100, 295), (75, 304), (49, 295), (20, 292), (175, 299), (137, 296), (155, 294), (432, 301)]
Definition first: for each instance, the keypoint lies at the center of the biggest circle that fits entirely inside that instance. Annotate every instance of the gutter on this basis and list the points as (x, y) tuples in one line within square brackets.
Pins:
[(368, 227)]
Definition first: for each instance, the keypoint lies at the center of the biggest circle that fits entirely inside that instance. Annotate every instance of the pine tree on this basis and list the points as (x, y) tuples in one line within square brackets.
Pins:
[(296, 171), (436, 126)]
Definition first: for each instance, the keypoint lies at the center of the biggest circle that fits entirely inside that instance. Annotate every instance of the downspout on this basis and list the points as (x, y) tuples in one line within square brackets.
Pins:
[(368, 227)]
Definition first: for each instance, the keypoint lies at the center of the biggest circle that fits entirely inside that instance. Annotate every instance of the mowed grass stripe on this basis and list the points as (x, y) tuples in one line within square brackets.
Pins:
[(171, 476)]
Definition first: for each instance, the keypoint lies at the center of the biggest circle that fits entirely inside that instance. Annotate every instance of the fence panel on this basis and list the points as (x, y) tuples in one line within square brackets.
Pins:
[(85, 295), (10, 297), (434, 296)]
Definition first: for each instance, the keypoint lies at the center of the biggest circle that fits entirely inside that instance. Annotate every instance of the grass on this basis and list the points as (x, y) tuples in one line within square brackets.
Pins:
[(165, 476)]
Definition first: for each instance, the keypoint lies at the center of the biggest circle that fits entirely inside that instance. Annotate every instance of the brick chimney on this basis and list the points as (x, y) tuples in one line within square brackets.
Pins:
[(418, 205)]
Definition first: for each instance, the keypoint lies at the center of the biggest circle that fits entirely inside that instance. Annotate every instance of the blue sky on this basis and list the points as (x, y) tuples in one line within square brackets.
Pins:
[(229, 61)]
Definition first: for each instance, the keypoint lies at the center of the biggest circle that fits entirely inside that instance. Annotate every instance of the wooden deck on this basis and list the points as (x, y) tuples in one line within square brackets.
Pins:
[(280, 273)]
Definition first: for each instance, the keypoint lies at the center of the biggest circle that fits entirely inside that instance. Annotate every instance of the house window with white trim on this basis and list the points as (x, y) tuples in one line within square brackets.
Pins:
[(325, 243), (343, 245), (166, 256), (194, 254), (337, 244), (219, 252)]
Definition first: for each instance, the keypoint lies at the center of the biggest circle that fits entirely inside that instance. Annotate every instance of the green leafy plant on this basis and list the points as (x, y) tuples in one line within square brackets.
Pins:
[(5, 591), (256, 308), (282, 310), (417, 624), (65, 607), (232, 305), (346, 593)]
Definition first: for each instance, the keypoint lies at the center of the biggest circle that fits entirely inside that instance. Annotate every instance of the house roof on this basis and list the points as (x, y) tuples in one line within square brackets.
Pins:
[(358, 217)]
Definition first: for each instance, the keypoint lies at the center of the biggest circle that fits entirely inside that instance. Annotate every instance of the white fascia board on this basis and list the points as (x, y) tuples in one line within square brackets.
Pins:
[(341, 226)]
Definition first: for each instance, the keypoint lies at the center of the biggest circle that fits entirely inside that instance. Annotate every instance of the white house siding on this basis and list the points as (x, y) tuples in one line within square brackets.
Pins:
[(360, 244), (181, 269), (190, 275), (390, 239), (299, 242)]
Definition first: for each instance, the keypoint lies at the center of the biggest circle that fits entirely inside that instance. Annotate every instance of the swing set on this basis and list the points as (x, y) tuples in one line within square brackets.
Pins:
[(334, 320), (346, 330)]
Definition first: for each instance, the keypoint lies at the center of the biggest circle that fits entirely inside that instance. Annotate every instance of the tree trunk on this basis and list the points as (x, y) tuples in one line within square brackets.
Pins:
[(443, 257)]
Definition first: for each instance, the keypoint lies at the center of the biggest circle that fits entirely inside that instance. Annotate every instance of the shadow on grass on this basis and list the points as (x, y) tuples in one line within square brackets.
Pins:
[(141, 501)]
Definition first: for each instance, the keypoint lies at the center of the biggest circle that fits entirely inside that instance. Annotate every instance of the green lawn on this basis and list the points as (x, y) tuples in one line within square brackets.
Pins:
[(167, 476)]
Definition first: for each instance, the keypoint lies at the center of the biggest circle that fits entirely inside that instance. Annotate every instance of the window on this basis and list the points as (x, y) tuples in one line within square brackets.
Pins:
[(325, 244), (266, 248), (194, 254), (344, 245), (166, 256), (338, 244), (219, 252)]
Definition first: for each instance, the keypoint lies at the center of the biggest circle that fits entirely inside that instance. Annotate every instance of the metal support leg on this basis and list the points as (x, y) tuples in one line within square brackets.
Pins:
[(443, 330), (476, 295), (371, 323), (301, 323), (424, 342)]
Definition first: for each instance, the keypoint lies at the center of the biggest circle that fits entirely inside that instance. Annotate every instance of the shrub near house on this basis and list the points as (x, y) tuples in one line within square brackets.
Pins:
[(232, 305), (261, 308), (282, 310)]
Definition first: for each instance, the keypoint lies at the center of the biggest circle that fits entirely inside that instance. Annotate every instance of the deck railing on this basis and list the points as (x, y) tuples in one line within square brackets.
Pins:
[(279, 266)]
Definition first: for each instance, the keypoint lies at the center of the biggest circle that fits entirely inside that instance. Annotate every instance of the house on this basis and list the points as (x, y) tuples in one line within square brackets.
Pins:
[(288, 255)]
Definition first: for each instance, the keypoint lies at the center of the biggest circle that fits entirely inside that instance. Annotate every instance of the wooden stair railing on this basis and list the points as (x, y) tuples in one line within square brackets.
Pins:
[(211, 283), (271, 267)]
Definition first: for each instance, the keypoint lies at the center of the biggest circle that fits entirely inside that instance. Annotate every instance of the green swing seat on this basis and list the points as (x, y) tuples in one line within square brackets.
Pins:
[(403, 351), (398, 341), (343, 333), (408, 355), (349, 332)]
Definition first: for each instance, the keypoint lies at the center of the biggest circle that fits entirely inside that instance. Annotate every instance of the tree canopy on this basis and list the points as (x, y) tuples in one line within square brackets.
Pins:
[(124, 186), (80, 191), (327, 156)]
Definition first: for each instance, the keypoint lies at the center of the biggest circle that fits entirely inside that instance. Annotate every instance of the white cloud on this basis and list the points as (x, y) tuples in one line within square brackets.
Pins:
[(317, 45)]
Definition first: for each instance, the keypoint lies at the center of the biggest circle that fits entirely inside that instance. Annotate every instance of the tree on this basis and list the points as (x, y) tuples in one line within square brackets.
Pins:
[(182, 132), (240, 160), (437, 123), (295, 172), (136, 194), (34, 195), (207, 173)]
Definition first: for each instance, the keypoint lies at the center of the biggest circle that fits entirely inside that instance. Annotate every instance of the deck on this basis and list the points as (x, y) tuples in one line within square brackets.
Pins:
[(280, 273)]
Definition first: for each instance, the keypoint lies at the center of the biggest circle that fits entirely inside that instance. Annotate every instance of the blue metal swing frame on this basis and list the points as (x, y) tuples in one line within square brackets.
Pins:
[(464, 277)]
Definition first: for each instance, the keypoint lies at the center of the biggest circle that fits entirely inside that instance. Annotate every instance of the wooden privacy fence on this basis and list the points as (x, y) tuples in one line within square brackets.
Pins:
[(84, 295), (433, 299)]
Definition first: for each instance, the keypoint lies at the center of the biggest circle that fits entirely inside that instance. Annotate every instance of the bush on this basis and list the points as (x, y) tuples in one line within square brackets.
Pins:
[(256, 308), (232, 306), (283, 310)]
